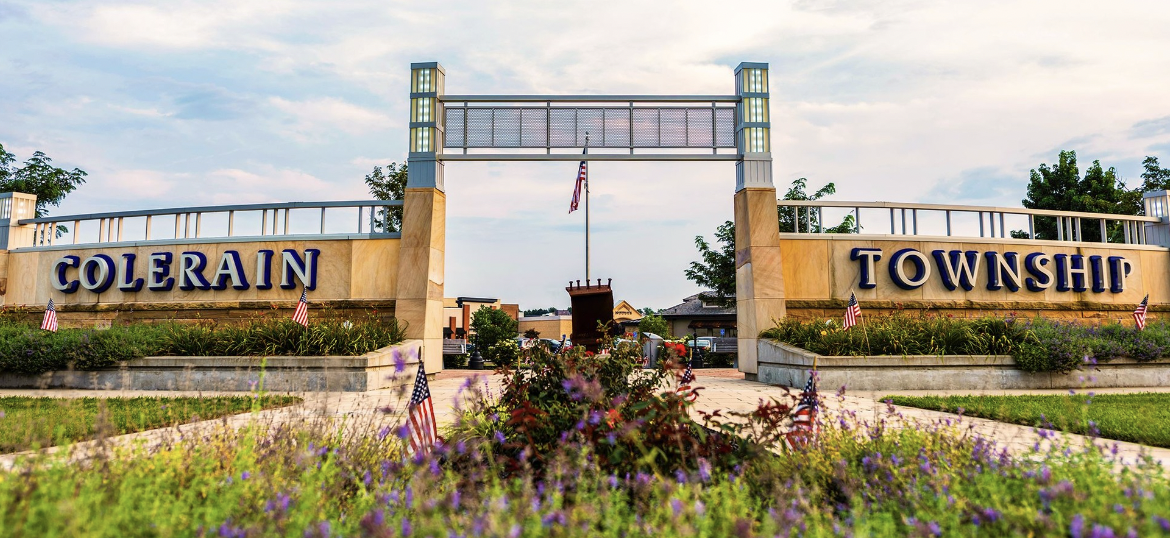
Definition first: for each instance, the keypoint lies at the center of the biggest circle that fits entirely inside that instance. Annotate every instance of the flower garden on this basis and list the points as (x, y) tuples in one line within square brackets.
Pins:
[(588, 445), (1037, 345)]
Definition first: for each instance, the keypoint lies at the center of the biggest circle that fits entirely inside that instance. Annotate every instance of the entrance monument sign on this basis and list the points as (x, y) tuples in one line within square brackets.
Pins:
[(942, 266)]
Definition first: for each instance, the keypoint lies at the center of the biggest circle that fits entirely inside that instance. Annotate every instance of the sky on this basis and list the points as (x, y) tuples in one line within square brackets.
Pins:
[(181, 103)]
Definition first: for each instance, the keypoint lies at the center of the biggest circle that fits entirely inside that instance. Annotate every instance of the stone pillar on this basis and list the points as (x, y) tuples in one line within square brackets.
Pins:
[(759, 283), (419, 303), (14, 207)]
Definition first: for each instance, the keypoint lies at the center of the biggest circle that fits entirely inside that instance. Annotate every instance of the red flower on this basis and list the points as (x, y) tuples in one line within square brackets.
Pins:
[(612, 416)]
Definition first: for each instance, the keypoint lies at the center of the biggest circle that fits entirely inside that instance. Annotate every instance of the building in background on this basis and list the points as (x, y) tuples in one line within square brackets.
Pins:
[(695, 316), (553, 326), (457, 312)]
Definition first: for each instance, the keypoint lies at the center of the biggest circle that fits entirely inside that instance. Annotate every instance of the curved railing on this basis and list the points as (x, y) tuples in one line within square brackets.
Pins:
[(904, 219), (261, 221)]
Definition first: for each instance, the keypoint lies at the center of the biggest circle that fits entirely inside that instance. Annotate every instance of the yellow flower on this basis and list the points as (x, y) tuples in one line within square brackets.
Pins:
[(824, 333)]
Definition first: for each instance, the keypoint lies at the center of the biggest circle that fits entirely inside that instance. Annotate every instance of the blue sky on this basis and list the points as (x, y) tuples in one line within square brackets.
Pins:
[(210, 102)]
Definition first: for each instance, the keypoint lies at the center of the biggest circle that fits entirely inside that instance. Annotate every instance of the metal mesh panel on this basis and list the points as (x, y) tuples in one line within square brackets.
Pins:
[(506, 133), (609, 127), (725, 127), (454, 124)]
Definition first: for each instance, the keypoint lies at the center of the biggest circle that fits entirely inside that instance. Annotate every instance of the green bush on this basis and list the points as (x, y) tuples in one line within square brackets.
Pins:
[(1037, 345), (495, 335), (26, 349)]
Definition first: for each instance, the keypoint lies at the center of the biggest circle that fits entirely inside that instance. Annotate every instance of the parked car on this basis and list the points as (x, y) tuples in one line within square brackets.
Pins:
[(705, 343)]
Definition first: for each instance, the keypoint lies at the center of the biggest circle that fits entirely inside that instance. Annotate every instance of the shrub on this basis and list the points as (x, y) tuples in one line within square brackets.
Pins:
[(492, 328), (26, 349), (1037, 345)]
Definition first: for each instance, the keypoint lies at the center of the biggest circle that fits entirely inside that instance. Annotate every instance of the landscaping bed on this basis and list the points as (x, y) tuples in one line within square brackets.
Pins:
[(1138, 418), (1036, 345), (28, 423), (25, 349)]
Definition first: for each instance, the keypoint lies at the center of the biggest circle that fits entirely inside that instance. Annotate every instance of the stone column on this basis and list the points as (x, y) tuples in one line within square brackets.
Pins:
[(419, 302), (759, 283), (14, 206)]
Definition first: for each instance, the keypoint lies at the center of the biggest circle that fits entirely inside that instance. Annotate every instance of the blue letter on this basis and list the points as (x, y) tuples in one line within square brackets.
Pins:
[(191, 265), (160, 266), (1006, 267), (264, 269), (867, 257), (306, 270), (128, 282), (1035, 263), (955, 269), (1098, 274), (921, 271), (1070, 269), (1118, 269), (229, 267), (59, 267), (97, 273)]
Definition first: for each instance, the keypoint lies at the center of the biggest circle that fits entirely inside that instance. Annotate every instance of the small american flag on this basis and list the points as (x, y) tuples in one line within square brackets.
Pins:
[(582, 183), (50, 321), (423, 431), (688, 376), (852, 312), (1139, 315), (804, 417), (301, 314)]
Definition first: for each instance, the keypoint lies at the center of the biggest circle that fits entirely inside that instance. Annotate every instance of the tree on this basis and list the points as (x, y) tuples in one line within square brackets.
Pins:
[(1060, 187), (1154, 178), (716, 271), (810, 222), (531, 333), (647, 311), (653, 323), (495, 334), (390, 185), (38, 176)]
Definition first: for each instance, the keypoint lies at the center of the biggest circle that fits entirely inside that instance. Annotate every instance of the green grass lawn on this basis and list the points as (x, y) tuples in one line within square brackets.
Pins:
[(28, 423), (1139, 418)]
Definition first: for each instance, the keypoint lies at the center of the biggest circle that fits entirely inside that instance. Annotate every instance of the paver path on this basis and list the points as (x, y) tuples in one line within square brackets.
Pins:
[(724, 390)]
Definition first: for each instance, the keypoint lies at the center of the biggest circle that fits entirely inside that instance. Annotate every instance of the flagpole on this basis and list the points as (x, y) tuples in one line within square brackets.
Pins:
[(861, 322), (586, 210)]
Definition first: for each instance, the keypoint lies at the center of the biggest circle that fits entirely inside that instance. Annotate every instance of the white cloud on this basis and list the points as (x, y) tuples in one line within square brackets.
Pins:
[(314, 118)]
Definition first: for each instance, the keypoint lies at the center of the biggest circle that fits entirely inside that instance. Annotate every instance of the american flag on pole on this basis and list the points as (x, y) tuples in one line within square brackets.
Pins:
[(423, 431), (852, 312), (688, 376), (804, 417), (1139, 315), (301, 314), (50, 321), (582, 179)]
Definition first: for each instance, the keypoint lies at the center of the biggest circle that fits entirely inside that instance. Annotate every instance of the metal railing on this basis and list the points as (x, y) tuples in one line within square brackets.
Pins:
[(904, 220), (189, 221)]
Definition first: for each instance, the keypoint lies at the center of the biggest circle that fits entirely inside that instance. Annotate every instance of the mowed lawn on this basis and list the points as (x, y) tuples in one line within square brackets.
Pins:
[(28, 423), (1139, 418)]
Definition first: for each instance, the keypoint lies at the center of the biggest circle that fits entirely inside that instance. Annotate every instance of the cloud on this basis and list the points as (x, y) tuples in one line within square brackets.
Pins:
[(318, 117), (980, 186), (1151, 127)]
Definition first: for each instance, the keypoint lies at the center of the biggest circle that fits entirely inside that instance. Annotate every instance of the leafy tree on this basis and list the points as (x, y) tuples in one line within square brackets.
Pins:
[(540, 311), (495, 334), (810, 222), (38, 176), (1154, 178), (1061, 187), (532, 333), (716, 271), (653, 323), (647, 311), (390, 185)]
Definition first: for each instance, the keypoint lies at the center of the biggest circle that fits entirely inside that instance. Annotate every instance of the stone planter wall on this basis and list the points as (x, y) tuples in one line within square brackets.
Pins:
[(371, 371)]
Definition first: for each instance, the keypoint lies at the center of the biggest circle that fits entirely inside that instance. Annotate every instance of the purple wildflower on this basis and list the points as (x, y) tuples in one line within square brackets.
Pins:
[(1076, 528), (515, 532), (1162, 522), (676, 507), (406, 528), (500, 437)]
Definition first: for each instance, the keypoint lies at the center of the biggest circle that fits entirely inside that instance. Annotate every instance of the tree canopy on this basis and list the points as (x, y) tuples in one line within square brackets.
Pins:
[(388, 185), (38, 176), (1061, 187), (716, 270)]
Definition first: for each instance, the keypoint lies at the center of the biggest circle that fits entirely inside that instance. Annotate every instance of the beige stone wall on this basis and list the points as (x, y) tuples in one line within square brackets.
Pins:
[(818, 277), (351, 274), (3, 275), (548, 326)]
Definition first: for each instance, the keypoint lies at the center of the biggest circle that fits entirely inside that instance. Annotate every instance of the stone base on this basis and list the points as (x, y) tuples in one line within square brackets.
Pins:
[(781, 364), (374, 370)]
